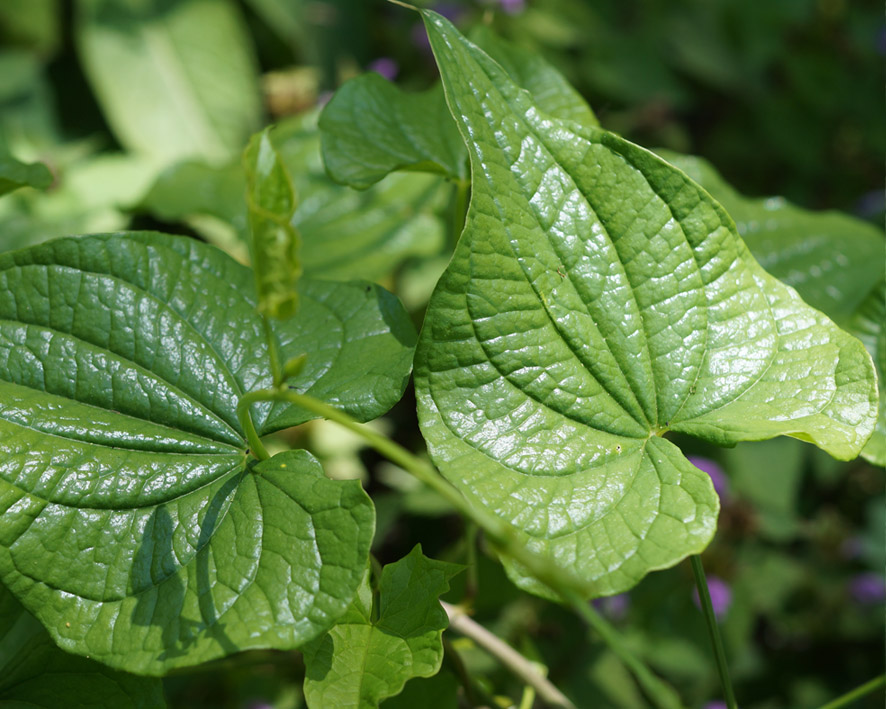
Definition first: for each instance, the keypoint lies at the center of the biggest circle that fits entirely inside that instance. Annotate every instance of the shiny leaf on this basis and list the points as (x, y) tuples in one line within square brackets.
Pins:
[(832, 259), (270, 202), (35, 673), (868, 324), (369, 656), (371, 128), (134, 524), (174, 78), (15, 174), (596, 300)]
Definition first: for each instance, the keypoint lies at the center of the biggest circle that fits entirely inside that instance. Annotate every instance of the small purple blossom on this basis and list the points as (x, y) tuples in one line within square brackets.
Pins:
[(385, 66), (614, 607), (512, 7), (715, 705), (721, 596), (718, 477), (868, 589)]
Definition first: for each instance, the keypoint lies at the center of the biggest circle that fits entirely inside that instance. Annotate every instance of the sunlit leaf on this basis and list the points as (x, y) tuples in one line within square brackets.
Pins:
[(597, 300)]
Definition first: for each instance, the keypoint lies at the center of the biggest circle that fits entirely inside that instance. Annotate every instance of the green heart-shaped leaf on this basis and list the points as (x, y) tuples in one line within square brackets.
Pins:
[(35, 673), (134, 525), (597, 299), (363, 660)]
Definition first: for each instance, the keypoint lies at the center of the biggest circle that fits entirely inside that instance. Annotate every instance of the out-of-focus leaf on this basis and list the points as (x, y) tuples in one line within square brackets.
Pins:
[(345, 233), (270, 202), (549, 89), (868, 324), (34, 24), (597, 299), (28, 124), (35, 673), (371, 128), (15, 174), (369, 656), (133, 522), (437, 692), (832, 259), (284, 17), (175, 78)]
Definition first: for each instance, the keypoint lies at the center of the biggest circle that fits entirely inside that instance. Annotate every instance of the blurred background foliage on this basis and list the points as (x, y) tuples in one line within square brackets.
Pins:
[(140, 109)]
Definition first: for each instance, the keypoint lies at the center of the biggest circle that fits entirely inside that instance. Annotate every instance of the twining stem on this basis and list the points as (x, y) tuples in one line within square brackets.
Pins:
[(857, 693), (252, 438), (519, 666), (273, 352), (713, 630), (564, 584)]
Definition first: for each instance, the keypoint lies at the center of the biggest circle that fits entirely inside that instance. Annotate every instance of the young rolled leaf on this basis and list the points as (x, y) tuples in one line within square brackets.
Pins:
[(363, 660), (15, 174), (133, 522), (35, 673), (597, 299), (868, 324), (270, 203), (832, 259)]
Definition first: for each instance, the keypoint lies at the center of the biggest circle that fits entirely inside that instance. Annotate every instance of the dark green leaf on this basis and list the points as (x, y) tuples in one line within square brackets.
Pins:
[(596, 300), (175, 78), (35, 673), (361, 661), (133, 523), (270, 203), (371, 128), (15, 174), (868, 324), (832, 259)]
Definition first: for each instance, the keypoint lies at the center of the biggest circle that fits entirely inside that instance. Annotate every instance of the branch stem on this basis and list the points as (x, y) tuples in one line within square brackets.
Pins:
[(522, 668), (707, 607), (857, 693)]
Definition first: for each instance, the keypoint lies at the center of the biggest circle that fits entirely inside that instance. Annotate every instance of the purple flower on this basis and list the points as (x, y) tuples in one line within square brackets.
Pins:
[(512, 7), (715, 705), (614, 607), (718, 477), (867, 589), (721, 596), (385, 66)]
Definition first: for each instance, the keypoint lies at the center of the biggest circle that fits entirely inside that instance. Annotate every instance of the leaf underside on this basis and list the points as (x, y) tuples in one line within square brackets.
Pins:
[(597, 299), (134, 525)]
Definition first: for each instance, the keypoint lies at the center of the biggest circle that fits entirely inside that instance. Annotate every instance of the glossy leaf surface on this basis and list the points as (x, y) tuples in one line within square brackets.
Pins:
[(832, 259), (133, 523), (371, 128), (369, 656), (15, 174), (270, 202), (868, 324), (597, 299), (35, 673), (190, 58)]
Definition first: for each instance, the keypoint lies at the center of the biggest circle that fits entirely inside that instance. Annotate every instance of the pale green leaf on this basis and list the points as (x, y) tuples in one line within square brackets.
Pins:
[(832, 259), (361, 661), (175, 78), (35, 673), (270, 202), (868, 324), (133, 522), (15, 174), (597, 299), (371, 128)]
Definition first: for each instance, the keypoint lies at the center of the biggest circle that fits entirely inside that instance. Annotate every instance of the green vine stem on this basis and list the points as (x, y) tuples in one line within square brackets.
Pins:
[(713, 630), (857, 693), (564, 584)]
